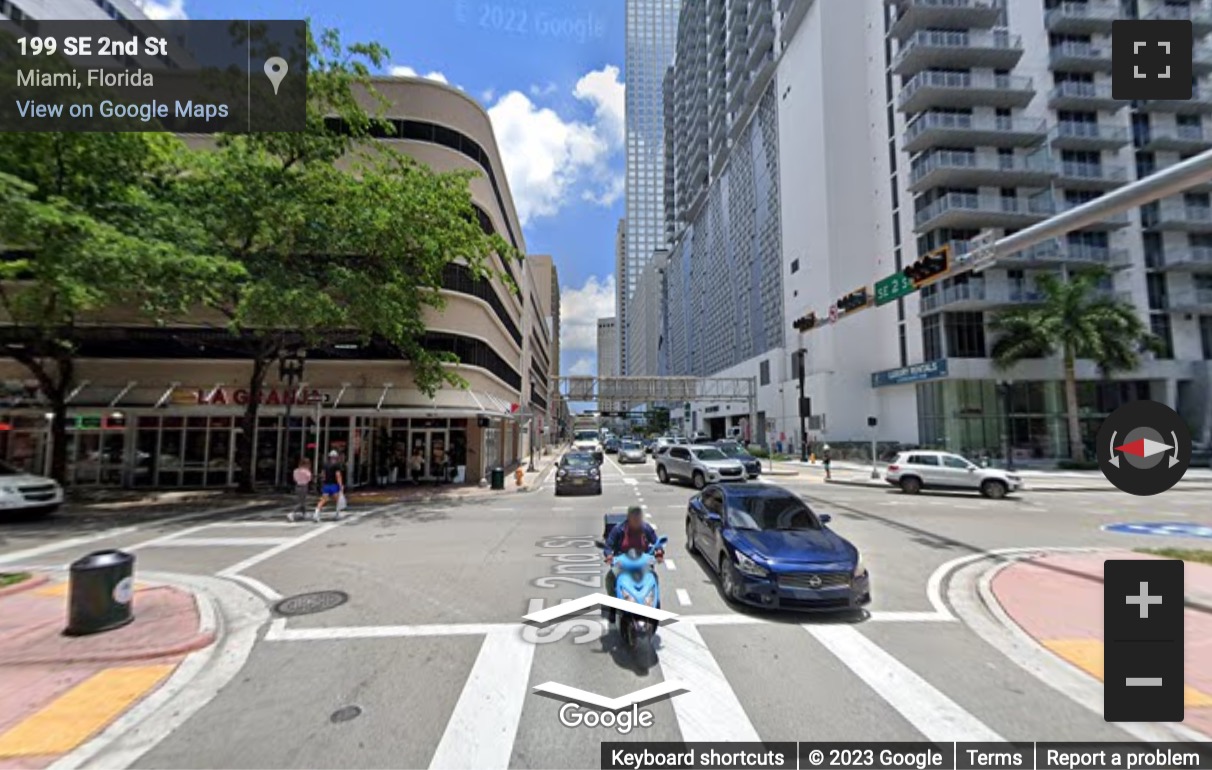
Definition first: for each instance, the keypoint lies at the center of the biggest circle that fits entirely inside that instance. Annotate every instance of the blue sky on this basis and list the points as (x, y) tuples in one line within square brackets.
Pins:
[(550, 74)]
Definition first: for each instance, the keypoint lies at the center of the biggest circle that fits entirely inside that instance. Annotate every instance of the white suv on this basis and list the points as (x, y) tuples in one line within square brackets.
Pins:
[(700, 465), (921, 469), (25, 493)]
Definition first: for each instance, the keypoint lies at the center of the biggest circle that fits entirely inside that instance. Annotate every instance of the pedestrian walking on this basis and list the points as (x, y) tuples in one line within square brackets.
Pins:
[(416, 465), (828, 457), (302, 477), (333, 485)]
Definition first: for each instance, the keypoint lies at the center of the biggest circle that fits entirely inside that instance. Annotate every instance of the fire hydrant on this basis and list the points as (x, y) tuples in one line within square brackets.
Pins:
[(518, 474)]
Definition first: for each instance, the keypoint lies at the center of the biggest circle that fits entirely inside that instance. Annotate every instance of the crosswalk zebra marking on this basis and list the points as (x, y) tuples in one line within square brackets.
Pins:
[(709, 710), (932, 713), (683, 597), (481, 730)]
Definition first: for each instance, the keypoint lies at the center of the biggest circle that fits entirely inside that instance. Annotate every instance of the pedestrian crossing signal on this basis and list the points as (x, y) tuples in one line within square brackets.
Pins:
[(805, 322), (930, 267)]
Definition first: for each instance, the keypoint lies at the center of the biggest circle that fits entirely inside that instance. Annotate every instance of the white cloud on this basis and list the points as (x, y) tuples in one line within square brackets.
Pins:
[(580, 309), (547, 90), (549, 159), (487, 95), (401, 71), (603, 89), (163, 10), (584, 366)]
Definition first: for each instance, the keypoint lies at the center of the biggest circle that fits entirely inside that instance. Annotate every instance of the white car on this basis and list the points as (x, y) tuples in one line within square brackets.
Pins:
[(25, 493), (922, 469), (700, 465)]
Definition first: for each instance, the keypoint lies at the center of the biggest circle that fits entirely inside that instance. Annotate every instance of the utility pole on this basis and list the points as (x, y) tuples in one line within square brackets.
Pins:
[(803, 404)]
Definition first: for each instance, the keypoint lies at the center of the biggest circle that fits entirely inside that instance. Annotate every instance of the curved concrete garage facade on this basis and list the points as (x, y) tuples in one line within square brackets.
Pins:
[(162, 407)]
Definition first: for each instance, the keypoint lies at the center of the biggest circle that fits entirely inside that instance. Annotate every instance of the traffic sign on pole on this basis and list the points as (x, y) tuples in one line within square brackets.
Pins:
[(892, 288), (981, 250)]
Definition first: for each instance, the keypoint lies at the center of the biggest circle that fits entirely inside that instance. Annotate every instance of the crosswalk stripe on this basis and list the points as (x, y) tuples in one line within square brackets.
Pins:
[(683, 597), (931, 712), (219, 542), (709, 710), (482, 728)]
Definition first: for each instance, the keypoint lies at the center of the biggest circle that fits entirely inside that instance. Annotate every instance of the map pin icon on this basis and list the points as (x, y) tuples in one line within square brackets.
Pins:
[(275, 70)]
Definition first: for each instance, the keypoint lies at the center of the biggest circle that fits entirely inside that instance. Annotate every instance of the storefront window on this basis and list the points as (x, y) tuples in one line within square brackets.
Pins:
[(147, 438), (492, 449), (267, 450)]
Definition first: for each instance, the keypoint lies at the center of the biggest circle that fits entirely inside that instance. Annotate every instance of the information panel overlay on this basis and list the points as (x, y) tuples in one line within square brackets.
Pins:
[(190, 77), (909, 756)]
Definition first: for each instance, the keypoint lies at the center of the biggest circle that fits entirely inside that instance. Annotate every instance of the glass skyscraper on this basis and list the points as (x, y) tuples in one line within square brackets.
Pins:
[(651, 42)]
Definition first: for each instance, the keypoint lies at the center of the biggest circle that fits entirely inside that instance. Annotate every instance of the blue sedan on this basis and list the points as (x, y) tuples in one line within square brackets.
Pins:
[(771, 550)]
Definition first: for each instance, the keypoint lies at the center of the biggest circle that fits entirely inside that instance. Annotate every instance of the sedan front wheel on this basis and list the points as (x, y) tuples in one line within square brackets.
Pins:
[(730, 579)]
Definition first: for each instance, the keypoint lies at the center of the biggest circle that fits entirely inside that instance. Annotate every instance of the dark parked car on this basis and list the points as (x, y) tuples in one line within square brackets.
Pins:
[(771, 550), (611, 446), (736, 451), (578, 473)]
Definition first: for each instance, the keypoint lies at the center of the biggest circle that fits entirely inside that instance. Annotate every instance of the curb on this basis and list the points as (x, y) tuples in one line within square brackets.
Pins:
[(34, 581), (203, 637)]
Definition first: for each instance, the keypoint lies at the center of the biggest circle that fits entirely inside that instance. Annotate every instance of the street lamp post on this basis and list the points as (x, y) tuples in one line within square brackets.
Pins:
[(290, 371), (1004, 387)]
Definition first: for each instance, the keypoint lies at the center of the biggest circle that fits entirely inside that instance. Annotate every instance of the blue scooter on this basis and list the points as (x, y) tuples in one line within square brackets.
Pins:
[(636, 581)]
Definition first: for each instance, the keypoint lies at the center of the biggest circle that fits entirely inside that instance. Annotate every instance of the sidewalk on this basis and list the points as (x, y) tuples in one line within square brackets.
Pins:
[(855, 474), (60, 691), (1057, 599), (430, 493)]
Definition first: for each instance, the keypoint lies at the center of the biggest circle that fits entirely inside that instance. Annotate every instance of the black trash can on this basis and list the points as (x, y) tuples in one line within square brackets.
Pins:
[(498, 478), (100, 593)]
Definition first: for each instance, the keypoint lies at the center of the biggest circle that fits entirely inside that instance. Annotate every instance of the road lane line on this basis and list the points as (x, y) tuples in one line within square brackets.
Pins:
[(931, 712), (481, 729), (669, 565), (683, 597), (258, 587), (709, 710)]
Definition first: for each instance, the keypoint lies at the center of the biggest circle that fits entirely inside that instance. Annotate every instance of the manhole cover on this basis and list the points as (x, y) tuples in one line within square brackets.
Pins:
[(310, 604), (345, 714)]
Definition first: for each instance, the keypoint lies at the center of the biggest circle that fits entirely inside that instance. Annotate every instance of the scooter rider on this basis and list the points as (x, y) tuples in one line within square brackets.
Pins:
[(632, 533)]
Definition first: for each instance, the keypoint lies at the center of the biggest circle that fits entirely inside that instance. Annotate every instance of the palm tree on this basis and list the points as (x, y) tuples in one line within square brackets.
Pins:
[(1078, 322)]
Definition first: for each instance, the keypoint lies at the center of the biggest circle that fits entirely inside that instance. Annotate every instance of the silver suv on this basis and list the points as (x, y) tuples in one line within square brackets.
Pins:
[(920, 469), (698, 464)]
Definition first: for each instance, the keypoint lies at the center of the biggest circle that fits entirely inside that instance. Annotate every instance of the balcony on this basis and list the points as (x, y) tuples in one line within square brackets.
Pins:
[(761, 42), (964, 90), (929, 49), (1082, 18), (1056, 252), (1071, 56), (1192, 259), (1073, 135), (951, 168), (737, 18), (1083, 96), (760, 11), (1201, 60), (948, 129), (1178, 139), (1106, 224), (1073, 175), (759, 78), (1200, 103), (1200, 18), (1176, 214), (1189, 301), (967, 211), (977, 296), (912, 15)]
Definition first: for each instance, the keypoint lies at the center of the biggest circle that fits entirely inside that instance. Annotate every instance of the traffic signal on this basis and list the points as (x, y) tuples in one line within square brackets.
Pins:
[(930, 267), (805, 322), (855, 300)]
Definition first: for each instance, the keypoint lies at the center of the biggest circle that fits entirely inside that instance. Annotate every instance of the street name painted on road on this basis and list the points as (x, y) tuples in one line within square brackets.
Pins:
[(1164, 529)]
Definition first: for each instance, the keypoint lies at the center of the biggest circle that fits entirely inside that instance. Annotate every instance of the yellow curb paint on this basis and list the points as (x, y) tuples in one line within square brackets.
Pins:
[(1087, 654), (78, 714), (60, 589)]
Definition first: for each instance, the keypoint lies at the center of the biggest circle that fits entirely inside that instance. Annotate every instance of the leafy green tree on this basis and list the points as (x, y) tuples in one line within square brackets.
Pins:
[(82, 229), (1076, 321), (342, 238)]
